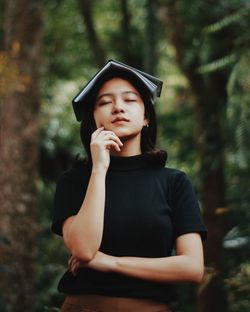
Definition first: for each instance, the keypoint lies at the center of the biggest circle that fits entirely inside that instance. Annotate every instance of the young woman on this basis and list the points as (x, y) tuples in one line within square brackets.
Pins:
[(122, 212)]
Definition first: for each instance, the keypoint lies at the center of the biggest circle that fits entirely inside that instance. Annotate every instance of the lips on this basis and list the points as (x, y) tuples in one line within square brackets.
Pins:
[(119, 119)]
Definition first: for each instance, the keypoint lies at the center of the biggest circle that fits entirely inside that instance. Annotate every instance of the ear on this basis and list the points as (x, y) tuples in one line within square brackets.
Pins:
[(145, 122)]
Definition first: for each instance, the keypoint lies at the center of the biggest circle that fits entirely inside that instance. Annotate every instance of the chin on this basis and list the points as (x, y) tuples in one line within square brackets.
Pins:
[(121, 133), (125, 133)]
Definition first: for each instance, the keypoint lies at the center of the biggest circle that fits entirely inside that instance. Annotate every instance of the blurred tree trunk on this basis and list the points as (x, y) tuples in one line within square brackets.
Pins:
[(151, 37), (125, 41), (19, 153), (141, 58), (210, 99), (209, 107), (86, 7), (125, 45)]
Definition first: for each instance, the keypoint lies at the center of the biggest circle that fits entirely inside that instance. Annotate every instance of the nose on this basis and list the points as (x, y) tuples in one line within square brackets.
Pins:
[(118, 106)]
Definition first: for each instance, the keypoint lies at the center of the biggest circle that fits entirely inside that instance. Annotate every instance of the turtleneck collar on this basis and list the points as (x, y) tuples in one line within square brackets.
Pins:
[(127, 163)]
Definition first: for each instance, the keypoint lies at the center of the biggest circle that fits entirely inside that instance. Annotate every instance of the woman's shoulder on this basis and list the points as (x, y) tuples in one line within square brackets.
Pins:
[(173, 172), (174, 175)]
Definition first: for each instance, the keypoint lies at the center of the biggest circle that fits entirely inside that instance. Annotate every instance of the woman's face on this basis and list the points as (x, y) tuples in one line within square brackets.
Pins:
[(120, 108)]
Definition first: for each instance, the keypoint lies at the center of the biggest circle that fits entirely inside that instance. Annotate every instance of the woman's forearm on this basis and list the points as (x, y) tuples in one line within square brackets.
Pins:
[(187, 265), (168, 269), (84, 234)]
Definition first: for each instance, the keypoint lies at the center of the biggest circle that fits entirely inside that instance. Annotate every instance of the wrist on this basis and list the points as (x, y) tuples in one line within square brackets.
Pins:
[(99, 170), (113, 263)]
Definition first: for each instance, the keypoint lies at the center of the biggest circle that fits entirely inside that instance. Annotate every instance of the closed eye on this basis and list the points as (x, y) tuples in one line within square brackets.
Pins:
[(130, 100), (104, 103)]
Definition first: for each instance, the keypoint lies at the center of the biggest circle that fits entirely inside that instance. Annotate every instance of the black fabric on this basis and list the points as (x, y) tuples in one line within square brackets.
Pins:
[(147, 208)]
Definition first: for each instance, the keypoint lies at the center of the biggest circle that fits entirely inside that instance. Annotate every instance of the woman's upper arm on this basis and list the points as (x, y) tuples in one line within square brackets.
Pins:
[(191, 245), (65, 231)]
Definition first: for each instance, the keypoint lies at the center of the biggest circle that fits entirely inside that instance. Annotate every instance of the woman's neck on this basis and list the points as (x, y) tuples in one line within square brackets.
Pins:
[(131, 147)]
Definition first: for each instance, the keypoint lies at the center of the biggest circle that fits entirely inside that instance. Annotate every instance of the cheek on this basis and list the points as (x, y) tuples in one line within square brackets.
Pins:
[(100, 117), (97, 116), (140, 114)]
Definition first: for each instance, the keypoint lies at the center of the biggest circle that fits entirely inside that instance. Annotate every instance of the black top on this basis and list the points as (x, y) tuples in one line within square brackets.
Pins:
[(146, 209)]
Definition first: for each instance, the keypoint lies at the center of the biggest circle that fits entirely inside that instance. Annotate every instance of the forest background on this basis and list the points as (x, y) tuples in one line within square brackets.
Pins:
[(48, 51)]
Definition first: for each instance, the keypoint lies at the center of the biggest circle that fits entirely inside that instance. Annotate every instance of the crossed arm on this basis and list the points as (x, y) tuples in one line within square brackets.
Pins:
[(187, 265)]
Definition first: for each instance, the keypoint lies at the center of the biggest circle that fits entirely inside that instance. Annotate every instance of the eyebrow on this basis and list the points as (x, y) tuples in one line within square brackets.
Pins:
[(111, 94)]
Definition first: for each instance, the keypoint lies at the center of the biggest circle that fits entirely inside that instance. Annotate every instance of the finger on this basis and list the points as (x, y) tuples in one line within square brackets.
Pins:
[(73, 267), (118, 141), (70, 261), (110, 143), (96, 132), (111, 135)]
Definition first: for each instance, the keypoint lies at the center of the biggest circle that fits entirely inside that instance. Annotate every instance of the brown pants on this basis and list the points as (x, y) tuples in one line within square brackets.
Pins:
[(96, 303)]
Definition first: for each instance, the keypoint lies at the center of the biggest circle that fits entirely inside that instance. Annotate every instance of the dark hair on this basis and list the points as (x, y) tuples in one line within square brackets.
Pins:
[(149, 133)]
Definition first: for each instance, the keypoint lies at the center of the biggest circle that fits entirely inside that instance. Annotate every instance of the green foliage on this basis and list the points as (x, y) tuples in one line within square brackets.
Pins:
[(212, 33), (238, 110), (65, 48), (238, 24), (238, 160), (226, 21), (238, 288), (218, 64), (238, 157), (177, 135), (59, 127)]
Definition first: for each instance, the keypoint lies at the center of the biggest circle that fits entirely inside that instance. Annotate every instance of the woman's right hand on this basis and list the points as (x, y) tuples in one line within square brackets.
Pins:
[(101, 143)]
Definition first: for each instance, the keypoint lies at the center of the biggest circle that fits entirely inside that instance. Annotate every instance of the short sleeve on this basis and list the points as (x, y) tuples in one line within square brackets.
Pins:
[(186, 212), (67, 201)]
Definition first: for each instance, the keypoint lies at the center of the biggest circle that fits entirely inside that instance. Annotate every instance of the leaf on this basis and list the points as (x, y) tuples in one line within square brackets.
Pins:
[(226, 21), (217, 64)]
